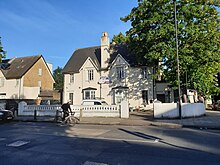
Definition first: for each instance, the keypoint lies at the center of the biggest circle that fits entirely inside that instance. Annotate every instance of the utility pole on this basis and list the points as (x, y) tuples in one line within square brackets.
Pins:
[(177, 58)]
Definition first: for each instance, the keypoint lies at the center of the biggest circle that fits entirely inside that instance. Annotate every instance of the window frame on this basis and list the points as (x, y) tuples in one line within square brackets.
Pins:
[(72, 78), (120, 72), (90, 74), (39, 83), (91, 94), (71, 95), (40, 72), (144, 73)]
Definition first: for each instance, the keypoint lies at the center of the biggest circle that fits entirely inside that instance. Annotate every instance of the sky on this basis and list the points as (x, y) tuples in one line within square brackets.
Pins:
[(56, 28)]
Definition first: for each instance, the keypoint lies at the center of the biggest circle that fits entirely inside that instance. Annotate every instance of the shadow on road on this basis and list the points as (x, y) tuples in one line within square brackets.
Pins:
[(156, 139)]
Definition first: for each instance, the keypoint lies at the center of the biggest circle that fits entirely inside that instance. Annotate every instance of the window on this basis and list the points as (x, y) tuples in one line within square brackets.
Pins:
[(144, 73), (71, 78), (97, 103), (89, 94), (120, 72), (119, 96), (90, 75), (71, 98), (40, 72), (39, 83)]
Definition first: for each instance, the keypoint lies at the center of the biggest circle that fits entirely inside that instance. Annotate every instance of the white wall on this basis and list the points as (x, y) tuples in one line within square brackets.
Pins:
[(31, 92), (81, 82), (171, 110), (11, 87), (14, 89)]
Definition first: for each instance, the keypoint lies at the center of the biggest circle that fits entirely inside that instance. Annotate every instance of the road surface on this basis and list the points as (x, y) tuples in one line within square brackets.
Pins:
[(25, 143)]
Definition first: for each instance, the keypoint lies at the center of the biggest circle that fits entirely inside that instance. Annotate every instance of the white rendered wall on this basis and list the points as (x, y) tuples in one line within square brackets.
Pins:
[(171, 110)]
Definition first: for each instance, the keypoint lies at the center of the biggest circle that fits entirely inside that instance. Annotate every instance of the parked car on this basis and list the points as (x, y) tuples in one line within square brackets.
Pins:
[(216, 105), (94, 102), (6, 115)]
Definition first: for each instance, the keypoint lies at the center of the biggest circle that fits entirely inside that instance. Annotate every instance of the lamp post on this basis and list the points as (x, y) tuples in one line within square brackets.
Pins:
[(177, 58)]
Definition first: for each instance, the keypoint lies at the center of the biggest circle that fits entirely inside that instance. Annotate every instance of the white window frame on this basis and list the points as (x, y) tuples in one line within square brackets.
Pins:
[(40, 72), (39, 84), (90, 74), (91, 94), (144, 73), (71, 78), (120, 72)]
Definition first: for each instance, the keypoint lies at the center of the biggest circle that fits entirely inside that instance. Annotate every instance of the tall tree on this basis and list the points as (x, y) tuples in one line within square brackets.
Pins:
[(58, 77), (2, 52), (152, 36), (120, 38)]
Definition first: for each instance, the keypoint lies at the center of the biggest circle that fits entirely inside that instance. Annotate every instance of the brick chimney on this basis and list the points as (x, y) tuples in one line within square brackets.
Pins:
[(105, 52)]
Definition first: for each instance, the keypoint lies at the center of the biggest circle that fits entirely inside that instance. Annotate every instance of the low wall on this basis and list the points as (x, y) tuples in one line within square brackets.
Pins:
[(41, 110), (171, 110), (97, 111), (80, 111)]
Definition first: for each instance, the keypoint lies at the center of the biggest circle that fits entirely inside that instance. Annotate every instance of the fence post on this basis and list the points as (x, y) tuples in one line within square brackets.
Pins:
[(124, 109), (35, 114), (56, 117), (80, 113)]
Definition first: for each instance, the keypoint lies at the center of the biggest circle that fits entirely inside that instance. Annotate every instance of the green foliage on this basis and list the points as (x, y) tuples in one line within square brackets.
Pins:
[(2, 52), (152, 36), (58, 77), (120, 38)]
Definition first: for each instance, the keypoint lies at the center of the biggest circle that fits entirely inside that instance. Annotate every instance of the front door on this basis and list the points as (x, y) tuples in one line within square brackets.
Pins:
[(145, 96)]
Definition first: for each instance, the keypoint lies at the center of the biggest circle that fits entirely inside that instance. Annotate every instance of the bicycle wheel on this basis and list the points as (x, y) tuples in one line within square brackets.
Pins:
[(71, 121)]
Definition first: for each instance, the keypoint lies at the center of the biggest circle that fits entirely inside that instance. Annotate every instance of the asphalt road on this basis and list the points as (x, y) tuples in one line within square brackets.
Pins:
[(26, 143)]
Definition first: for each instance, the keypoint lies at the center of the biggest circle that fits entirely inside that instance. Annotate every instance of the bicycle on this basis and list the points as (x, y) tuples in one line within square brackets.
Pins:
[(70, 120)]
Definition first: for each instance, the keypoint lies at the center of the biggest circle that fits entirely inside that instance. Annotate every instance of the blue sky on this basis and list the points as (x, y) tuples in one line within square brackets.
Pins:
[(55, 28)]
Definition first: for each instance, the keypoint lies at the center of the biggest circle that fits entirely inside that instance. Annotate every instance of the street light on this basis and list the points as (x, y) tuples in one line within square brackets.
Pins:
[(177, 58)]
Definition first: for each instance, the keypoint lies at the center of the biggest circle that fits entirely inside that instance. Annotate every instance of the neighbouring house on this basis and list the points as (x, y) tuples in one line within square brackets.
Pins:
[(26, 78), (108, 72)]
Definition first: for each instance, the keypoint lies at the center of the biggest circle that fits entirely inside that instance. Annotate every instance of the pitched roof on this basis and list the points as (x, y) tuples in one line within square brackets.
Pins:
[(80, 55), (123, 50), (19, 66)]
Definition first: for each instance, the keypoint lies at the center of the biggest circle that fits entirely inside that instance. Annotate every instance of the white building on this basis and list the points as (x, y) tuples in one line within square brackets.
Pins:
[(26, 78), (108, 72)]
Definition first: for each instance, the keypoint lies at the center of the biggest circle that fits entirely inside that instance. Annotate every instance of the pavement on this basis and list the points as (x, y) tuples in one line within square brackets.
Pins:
[(211, 120)]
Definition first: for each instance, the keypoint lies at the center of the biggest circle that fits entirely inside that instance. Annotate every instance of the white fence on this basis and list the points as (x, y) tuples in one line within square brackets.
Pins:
[(97, 111), (83, 111), (40, 110), (171, 110)]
